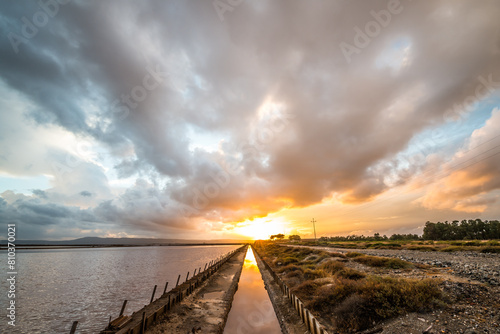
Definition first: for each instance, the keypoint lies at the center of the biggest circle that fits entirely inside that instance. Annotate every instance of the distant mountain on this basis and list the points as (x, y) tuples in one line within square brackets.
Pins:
[(120, 241)]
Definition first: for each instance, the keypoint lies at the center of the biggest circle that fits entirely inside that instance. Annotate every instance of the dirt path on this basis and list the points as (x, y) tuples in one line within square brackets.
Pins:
[(206, 310)]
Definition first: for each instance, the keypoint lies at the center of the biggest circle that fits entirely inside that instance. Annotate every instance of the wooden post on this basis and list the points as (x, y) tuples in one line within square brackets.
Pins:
[(165, 290), (178, 278), (315, 328), (153, 295), (205, 267), (187, 276), (123, 307), (194, 272), (143, 323), (308, 323), (73, 327)]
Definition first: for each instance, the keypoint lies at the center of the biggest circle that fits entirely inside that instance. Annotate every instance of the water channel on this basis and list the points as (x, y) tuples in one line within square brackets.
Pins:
[(252, 311)]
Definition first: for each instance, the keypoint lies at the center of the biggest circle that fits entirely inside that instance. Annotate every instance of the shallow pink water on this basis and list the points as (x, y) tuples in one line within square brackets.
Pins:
[(57, 287)]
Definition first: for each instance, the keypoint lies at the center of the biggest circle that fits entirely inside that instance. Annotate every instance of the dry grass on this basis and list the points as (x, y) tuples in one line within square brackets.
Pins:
[(355, 304), (332, 266), (491, 249), (347, 299), (382, 262), (424, 246)]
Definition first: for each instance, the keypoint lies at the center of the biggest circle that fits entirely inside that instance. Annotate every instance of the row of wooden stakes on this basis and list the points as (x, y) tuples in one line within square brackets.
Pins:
[(122, 320)]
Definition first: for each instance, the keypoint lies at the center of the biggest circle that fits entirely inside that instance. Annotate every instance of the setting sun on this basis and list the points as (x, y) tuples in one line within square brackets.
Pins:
[(260, 228)]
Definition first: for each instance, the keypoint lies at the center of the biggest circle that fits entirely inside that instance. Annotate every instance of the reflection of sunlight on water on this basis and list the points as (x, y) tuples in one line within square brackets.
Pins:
[(250, 259), (251, 311)]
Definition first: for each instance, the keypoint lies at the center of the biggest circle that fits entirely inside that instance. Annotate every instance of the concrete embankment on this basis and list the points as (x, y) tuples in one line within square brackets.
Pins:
[(201, 303), (206, 309)]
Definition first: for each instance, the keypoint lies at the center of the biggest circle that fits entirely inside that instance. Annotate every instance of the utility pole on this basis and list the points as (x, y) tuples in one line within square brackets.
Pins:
[(314, 226)]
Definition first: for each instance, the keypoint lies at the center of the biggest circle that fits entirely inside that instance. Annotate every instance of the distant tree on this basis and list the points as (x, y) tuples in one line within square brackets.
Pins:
[(404, 237), (277, 236), (294, 237)]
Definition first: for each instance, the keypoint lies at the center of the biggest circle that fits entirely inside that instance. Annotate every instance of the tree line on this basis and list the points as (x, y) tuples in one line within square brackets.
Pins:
[(472, 229), (375, 237)]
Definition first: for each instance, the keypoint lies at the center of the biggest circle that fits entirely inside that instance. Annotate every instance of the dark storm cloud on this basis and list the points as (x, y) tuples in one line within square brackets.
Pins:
[(344, 115), (39, 193), (29, 211)]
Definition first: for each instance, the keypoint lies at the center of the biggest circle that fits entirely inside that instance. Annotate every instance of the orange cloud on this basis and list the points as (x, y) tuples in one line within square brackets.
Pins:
[(473, 173)]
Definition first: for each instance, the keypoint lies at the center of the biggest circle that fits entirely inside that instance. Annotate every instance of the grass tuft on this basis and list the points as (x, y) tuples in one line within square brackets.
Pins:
[(490, 249), (332, 266)]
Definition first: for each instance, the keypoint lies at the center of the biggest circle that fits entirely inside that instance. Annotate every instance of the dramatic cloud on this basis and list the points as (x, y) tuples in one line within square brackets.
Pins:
[(472, 175), (164, 118)]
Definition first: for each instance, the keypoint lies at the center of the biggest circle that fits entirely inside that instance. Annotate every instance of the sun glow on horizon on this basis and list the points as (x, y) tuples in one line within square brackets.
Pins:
[(260, 228)]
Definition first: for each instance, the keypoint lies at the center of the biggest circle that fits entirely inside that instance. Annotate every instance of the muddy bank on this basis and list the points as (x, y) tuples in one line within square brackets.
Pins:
[(206, 309)]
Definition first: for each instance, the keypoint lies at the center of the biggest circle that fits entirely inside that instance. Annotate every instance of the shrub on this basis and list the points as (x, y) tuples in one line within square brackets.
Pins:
[(490, 249), (382, 245), (313, 274), (346, 314), (289, 259), (298, 274), (376, 261), (354, 254), (336, 254), (332, 266), (350, 274), (346, 245), (307, 290), (473, 243), (453, 249), (354, 305), (423, 248), (288, 268)]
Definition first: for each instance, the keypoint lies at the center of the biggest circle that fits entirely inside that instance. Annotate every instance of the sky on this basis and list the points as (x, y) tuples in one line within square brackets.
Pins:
[(236, 118)]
